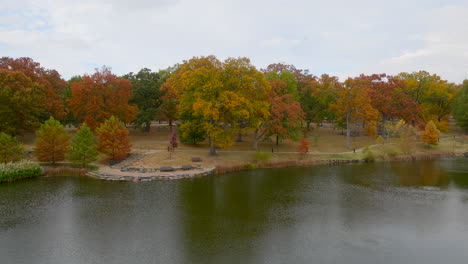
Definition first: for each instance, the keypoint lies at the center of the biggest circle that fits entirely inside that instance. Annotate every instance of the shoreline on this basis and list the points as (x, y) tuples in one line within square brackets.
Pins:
[(109, 174)]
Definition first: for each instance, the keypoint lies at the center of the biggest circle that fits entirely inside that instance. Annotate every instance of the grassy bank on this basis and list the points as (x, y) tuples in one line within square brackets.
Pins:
[(19, 170)]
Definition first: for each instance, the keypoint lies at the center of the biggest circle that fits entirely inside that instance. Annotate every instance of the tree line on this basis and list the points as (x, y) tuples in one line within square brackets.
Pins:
[(219, 101)]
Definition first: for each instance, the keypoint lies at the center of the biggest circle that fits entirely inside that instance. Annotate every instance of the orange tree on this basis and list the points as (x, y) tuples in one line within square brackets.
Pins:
[(354, 105), (112, 139), (52, 141), (49, 81), (97, 97)]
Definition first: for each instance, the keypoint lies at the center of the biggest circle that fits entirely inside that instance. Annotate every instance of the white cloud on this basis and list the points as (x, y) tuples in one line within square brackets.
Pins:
[(343, 37)]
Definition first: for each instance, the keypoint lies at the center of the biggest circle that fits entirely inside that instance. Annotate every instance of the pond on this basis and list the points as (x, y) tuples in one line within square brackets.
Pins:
[(400, 212)]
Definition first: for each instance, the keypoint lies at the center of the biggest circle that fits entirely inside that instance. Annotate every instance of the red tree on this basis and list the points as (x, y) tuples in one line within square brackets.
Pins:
[(50, 81), (100, 96)]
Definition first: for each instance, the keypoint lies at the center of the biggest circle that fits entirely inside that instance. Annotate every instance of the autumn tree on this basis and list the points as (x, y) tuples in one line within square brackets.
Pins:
[(303, 147), (355, 106), (102, 95), (22, 103), (433, 95), (52, 142), (389, 98), (430, 135), (460, 106), (83, 148), (49, 81), (10, 149), (112, 139), (220, 95)]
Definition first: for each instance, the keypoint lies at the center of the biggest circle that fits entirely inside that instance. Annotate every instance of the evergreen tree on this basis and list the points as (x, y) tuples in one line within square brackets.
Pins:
[(83, 149)]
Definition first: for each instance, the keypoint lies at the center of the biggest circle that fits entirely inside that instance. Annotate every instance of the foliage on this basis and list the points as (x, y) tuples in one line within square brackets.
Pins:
[(10, 149), (368, 155), (380, 140), (102, 95), (191, 132), (408, 136), (49, 82), (220, 94), (460, 106), (303, 147), (317, 95), (147, 94), (112, 138), (83, 148), (19, 170), (434, 95), (262, 157), (430, 134), (355, 105), (52, 141), (22, 103)]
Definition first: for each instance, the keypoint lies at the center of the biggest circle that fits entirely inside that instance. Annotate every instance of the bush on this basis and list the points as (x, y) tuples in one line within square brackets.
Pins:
[(19, 170), (262, 157), (368, 155), (10, 149)]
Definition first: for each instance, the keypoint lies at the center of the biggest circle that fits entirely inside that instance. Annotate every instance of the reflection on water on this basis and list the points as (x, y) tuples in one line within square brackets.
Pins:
[(401, 212)]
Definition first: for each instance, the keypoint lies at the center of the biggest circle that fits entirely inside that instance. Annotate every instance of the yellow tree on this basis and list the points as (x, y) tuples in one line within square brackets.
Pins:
[(220, 96), (430, 134), (354, 105)]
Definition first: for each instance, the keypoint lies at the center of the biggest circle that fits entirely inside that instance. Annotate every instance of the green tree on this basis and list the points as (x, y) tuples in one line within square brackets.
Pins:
[(83, 148), (460, 107), (10, 149), (146, 95), (52, 141)]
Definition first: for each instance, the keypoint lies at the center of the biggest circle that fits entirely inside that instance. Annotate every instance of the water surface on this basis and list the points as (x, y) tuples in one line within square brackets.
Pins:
[(401, 212)]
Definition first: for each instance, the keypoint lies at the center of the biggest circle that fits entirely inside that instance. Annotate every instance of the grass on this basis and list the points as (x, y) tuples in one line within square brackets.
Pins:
[(19, 170), (326, 143)]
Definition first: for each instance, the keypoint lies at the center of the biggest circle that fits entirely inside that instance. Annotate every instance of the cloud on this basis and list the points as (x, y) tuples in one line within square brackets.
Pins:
[(342, 37)]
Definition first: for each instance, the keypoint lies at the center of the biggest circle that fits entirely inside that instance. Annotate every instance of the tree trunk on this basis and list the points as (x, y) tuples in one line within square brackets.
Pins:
[(348, 132), (239, 137), (277, 140), (212, 148), (147, 127), (255, 140)]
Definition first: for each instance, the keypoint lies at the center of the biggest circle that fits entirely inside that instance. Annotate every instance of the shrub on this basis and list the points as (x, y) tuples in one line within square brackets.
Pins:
[(368, 155), (10, 149), (19, 170), (262, 157)]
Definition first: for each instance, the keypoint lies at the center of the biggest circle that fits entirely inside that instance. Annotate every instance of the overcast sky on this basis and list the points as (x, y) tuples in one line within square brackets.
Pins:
[(344, 38)]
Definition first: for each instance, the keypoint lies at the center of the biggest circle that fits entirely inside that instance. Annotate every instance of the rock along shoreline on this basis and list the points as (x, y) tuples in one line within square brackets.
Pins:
[(117, 175)]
